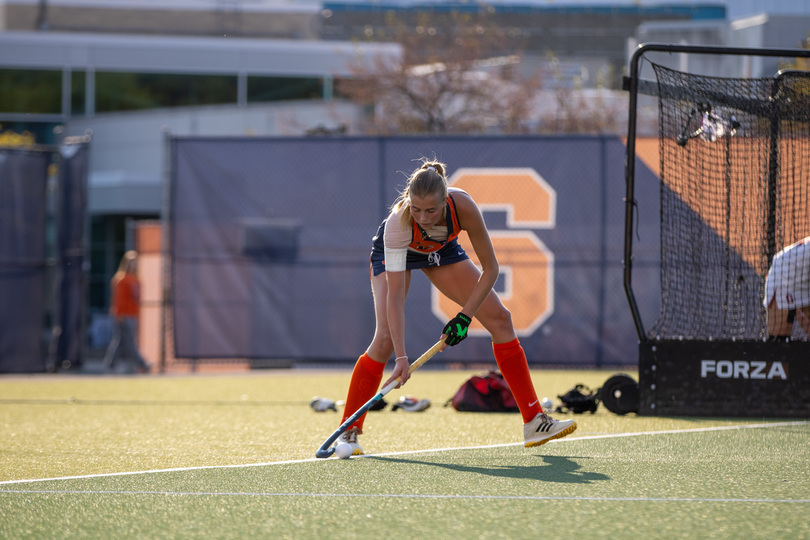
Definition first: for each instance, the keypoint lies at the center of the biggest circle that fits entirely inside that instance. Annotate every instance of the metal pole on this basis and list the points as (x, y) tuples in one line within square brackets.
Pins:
[(165, 230), (629, 197)]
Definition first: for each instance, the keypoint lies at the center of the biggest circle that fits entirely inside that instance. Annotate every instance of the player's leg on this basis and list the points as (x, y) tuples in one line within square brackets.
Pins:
[(112, 347), (369, 368), (129, 331), (382, 346), (457, 281)]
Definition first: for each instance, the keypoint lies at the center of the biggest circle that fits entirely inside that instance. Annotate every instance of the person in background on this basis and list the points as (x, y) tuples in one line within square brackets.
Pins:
[(420, 233), (124, 309), (787, 291)]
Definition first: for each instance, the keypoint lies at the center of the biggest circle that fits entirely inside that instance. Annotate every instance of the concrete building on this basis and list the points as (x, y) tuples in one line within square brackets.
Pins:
[(134, 70), (246, 18), (131, 91), (758, 31)]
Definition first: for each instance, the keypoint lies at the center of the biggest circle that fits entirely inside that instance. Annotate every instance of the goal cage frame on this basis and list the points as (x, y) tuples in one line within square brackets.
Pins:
[(716, 376)]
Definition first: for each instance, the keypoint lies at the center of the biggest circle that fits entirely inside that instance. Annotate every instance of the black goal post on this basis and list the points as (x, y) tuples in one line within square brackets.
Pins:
[(734, 204)]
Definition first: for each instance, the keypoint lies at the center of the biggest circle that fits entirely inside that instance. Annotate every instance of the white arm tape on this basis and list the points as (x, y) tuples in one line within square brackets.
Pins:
[(395, 259)]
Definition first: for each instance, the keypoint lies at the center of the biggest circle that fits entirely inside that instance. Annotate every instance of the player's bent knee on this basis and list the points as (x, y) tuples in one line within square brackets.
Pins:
[(498, 322)]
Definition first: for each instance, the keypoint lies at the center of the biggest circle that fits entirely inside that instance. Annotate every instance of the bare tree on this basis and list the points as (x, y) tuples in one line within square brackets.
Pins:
[(457, 75), (593, 111), (802, 64)]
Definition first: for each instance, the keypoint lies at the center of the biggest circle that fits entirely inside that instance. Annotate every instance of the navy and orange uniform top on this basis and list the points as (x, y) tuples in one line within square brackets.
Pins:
[(421, 240), (424, 250)]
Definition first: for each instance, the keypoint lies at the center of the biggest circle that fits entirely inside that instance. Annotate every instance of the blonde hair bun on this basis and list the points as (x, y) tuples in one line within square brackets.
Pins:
[(434, 166)]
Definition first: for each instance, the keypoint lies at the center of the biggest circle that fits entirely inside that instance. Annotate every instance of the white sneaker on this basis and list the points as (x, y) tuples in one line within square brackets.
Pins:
[(544, 428), (411, 404), (350, 436), (321, 404)]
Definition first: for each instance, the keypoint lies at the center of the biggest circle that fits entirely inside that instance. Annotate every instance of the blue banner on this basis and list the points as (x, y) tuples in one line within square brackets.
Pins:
[(270, 243)]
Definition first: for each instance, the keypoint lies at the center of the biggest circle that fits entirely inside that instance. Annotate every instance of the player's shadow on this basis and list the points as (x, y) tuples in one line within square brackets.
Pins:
[(557, 469)]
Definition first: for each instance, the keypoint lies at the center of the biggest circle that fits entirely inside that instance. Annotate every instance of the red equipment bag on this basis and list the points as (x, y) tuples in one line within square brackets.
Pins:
[(487, 392)]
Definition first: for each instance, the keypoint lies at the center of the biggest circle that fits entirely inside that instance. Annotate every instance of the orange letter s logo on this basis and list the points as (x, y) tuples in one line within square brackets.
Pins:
[(526, 263)]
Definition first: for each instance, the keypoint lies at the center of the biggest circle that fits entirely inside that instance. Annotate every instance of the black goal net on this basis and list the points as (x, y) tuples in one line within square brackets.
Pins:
[(735, 175)]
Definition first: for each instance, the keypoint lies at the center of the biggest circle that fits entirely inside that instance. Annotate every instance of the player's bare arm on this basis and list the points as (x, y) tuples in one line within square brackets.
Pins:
[(397, 292), (472, 221)]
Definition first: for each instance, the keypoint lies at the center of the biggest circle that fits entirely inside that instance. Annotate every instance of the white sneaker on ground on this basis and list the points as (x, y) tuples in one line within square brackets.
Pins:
[(350, 436), (411, 404), (544, 428)]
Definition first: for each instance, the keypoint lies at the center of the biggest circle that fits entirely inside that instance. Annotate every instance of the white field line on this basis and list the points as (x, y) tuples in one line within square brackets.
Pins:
[(426, 451), (396, 496)]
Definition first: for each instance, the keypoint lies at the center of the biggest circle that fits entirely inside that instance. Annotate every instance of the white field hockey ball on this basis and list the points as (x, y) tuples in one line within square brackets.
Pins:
[(344, 450)]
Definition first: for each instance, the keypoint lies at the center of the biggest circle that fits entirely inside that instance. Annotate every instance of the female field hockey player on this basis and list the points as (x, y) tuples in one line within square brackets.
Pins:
[(787, 290), (421, 232)]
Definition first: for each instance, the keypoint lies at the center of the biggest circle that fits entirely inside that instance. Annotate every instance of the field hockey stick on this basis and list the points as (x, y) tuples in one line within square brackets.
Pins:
[(325, 451)]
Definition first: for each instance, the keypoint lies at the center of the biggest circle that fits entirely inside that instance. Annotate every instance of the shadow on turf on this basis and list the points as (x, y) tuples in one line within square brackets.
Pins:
[(558, 469)]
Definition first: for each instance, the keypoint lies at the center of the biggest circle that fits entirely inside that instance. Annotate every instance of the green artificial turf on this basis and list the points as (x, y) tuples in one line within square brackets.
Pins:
[(232, 456)]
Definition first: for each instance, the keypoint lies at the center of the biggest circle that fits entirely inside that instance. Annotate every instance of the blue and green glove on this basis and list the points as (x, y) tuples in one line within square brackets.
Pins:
[(456, 329)]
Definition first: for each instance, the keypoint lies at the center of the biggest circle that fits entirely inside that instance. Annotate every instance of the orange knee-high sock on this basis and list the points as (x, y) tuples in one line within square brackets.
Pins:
[(365, 381), (512, 362)]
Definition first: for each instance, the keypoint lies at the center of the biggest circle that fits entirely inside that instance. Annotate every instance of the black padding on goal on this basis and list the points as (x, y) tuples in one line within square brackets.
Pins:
[(724, 378)]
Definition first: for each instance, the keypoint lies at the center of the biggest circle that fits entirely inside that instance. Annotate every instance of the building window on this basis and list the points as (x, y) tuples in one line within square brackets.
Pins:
[(260, 89), (137, 91), (107, 245), (30, 91), (78, 92)]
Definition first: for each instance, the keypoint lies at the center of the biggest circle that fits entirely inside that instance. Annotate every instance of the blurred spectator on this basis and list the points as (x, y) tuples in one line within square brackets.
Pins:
[(124, 309)]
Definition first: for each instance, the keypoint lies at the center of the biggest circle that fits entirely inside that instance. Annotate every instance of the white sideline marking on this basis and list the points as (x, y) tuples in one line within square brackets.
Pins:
[(401, 496), (427, 451)]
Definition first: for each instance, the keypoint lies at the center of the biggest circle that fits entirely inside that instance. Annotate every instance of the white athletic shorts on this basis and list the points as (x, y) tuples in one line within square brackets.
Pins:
[(788, 281)]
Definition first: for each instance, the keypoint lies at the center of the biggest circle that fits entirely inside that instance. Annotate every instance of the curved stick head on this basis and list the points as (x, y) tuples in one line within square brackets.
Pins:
[(324, 452)]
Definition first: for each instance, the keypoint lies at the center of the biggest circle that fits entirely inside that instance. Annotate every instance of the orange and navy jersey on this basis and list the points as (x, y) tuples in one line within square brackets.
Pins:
[(423, 243), (423, 250)]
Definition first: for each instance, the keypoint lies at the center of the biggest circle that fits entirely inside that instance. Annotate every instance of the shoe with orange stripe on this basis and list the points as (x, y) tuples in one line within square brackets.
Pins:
[(544, 428)]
